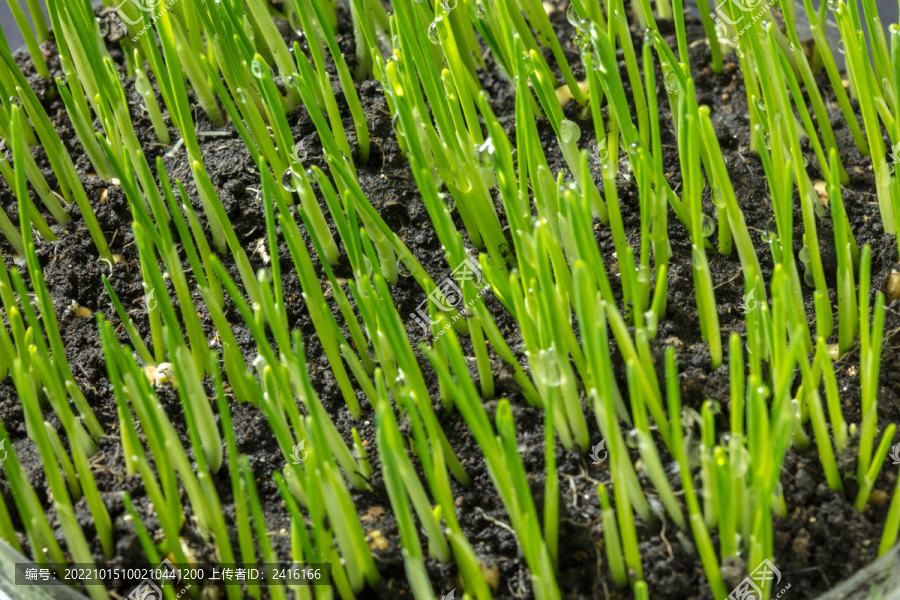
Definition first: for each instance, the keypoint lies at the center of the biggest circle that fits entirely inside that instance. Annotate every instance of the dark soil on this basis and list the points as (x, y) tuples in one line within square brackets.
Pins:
[(822, 541)]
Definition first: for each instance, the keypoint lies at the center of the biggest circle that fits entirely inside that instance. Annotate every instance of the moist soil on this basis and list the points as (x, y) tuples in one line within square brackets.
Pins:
[(821, 541)]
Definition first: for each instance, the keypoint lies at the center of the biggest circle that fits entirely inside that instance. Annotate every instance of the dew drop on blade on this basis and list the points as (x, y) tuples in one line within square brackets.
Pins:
[(707, 226), (529, 63), (287, 180), (572, 16), (486, 155), (433, 34), (569, 131), (141, 85), (449, 202), (631, 440)]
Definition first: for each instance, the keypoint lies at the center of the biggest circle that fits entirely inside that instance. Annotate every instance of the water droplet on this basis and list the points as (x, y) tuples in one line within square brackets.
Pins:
[(761, 105), (61, 80), (631, 440), (16, 101), (648, 37), (433, 34), (833, 5), (803, 255), (401, 382), (768, 141), (287, 180), (529, 63), (805, 160), (294, 22), (572, 16), (739, 52), (449, 202), (486, 155), (771, 233), (479, 10), (248, 28), (707, 226), (548, 368), (402, 269), (370, 351), (725, 439), (142, 85), (569, 131), (840, 46), (712, 407), (256, 67), (719, 200), (671, 82), (578, 40), (312, 175), (103, 24)]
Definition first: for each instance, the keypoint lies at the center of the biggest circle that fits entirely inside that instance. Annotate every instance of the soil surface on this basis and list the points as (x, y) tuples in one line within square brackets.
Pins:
[(821, 541)]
